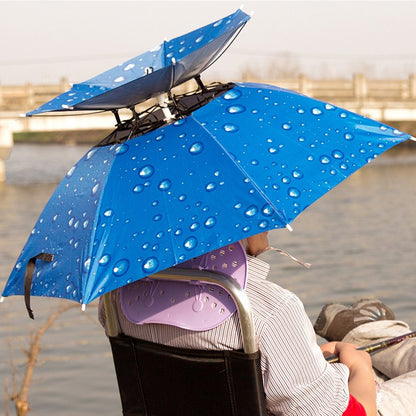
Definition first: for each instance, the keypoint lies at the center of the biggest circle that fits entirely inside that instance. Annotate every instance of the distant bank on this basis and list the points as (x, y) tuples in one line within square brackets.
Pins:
[(61, 137)]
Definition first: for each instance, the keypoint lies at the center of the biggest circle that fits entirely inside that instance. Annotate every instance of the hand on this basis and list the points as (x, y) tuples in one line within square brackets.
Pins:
[(328, 348), (351, 357), (361, 382)]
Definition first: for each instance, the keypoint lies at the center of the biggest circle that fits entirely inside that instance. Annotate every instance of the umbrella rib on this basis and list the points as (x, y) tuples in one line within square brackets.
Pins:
[(84, 291)]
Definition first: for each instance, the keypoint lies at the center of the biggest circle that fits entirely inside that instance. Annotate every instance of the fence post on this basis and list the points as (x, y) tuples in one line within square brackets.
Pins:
[(303, 84), (412, 86), (360, 86), (6, 144), (64, 85), (30, 95)]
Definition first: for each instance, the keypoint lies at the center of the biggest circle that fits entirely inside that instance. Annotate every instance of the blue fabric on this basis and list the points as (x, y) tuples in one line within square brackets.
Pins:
[(251, 160), (127, 84)]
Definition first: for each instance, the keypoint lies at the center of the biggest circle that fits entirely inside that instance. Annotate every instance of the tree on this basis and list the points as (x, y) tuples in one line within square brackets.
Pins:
[(20, 393)]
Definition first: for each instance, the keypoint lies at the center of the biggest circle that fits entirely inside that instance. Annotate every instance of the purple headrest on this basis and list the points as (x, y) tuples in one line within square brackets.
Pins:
[(190, 305)]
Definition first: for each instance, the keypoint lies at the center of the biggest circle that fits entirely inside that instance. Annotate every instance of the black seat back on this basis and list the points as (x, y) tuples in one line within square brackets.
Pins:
[(158, 380)]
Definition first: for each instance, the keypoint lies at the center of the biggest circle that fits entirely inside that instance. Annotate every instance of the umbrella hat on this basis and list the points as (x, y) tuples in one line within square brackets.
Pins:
[(250, 160)]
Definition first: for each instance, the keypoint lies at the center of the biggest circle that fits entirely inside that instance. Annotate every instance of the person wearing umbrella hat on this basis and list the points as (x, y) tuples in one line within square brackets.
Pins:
[(366, 322), (297, 378)]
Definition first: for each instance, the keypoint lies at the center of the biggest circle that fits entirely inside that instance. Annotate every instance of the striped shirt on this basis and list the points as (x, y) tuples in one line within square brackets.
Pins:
[(297, 379)]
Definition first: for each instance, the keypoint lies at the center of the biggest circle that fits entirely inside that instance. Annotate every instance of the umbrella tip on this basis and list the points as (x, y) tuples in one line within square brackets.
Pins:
[(2, 299), (413, 138), (251, 13), (288, 226), (83, 306)]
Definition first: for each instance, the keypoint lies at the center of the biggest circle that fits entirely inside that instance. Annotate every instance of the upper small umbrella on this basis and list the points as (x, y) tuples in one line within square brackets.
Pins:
[(152, 73)]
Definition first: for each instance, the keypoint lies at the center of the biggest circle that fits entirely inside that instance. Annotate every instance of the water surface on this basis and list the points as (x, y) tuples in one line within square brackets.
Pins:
[(360, 239)]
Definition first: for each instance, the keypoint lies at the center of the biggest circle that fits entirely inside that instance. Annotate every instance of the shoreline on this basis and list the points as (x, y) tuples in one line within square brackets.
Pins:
[(72, 137)]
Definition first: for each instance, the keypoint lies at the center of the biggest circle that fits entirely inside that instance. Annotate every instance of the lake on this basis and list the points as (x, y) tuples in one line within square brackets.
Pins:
[(360, 239)]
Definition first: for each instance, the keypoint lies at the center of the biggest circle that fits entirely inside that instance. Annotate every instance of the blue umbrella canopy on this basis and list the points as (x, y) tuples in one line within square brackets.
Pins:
[(152, 73), (250, 160)]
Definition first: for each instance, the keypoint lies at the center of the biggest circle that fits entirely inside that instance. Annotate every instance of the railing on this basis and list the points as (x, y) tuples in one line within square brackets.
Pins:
[(357, 89)]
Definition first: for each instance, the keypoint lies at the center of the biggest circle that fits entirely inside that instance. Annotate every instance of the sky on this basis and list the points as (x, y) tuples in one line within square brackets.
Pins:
[(41, 41)]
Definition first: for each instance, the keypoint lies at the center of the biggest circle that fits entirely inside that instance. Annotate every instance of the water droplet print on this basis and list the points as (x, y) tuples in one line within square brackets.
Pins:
[(251, 211), (337, 154), (294, 192), (129, 66), (210, 222), (71, 172), (297, 174), (121, 149), (146, 171), (121, 267), (218, 23), (165, 185), (69, 288), (87, 265), (316, 111), (190, 243), (210, 186), (138, 189), (233, 94), (196, 148), (236, 109), (104, 260), (194, 226), (324, 159), (180, 122), (230, 128), (90, 154), (94, 189), (267, 210), (263, 224)]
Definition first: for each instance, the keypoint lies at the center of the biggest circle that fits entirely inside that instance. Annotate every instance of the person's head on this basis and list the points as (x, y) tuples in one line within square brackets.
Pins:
[(256, 244)]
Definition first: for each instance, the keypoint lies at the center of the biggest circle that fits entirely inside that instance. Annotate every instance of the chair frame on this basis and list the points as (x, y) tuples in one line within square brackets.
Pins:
[(243, 386)]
